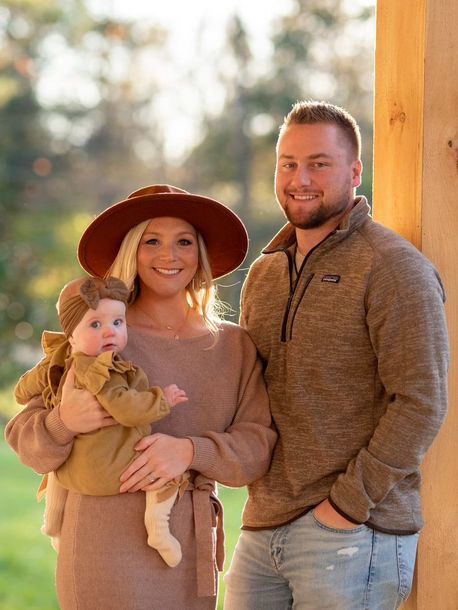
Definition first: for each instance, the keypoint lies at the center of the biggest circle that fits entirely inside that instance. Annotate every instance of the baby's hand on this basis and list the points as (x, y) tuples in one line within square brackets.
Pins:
[(174, 395)]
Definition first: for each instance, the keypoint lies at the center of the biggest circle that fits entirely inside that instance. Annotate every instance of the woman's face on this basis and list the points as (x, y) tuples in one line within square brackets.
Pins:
[(167, 256)]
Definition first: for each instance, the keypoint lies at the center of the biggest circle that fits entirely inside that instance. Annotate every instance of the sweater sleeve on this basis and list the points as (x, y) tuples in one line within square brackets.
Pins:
[(241, 454), (39, 437), (407, 326)]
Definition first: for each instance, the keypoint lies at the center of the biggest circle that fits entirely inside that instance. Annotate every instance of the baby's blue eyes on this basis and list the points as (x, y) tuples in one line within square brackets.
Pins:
[(96, 324)]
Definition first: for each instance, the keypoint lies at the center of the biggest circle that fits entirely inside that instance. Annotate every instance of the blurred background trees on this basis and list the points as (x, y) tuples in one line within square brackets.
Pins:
[(86, 118)]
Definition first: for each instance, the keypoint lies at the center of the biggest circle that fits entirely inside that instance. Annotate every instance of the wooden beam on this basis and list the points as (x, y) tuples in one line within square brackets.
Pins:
[(416, 193), (399, 102)]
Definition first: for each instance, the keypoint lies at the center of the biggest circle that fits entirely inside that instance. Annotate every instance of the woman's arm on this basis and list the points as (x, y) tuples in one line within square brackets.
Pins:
[(242, 453), (39, 437), (43, 438)]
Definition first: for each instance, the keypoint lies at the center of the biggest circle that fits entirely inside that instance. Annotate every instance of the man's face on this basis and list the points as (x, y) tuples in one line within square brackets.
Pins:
[(316, 175)]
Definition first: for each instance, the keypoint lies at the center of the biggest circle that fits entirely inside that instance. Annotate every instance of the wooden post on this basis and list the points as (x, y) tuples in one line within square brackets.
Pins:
[(416, 193)]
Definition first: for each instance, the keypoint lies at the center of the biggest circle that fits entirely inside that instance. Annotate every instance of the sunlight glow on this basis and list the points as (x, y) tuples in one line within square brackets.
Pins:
[(179, 78)]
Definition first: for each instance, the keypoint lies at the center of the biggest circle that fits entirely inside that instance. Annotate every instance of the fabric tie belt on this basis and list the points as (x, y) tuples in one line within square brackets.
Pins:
[(208, 523)]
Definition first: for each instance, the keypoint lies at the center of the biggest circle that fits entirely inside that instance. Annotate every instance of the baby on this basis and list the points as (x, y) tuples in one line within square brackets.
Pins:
[(92, 313)]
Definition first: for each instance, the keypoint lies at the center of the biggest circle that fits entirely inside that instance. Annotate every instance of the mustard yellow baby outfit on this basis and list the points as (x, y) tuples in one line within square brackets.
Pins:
[(98, 458)]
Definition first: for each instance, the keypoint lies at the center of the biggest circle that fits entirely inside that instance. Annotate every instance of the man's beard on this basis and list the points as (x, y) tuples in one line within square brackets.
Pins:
[(301, 219), (315, 219)]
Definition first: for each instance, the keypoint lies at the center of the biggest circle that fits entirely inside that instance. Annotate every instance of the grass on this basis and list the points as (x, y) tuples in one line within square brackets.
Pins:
[(27, 559), (233, 501)]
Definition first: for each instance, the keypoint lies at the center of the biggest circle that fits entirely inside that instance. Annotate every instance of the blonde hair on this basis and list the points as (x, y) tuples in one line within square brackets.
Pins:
[(124, 265), (200, 292)]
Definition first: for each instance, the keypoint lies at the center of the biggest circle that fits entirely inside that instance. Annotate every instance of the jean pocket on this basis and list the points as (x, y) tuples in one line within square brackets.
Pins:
[(337, 530), (406, 548)]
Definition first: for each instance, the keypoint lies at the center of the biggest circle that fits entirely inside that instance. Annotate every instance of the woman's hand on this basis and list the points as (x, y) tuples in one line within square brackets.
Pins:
[(79, 410), (162, 458)]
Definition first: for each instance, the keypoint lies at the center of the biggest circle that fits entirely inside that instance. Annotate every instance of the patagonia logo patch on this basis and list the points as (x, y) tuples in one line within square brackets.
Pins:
[(334, 279)]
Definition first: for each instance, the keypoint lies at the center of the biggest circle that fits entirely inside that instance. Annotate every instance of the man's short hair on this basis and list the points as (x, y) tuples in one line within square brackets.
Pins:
[(308, 112)]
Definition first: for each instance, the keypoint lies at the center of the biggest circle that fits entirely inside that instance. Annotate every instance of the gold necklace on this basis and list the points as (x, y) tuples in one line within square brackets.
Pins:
[(155, 324)]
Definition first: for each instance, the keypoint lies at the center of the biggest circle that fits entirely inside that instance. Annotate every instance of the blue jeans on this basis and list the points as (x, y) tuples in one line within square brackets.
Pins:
[(306, 565)]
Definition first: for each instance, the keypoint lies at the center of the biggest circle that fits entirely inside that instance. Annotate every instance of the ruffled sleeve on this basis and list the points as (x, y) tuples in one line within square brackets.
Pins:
[(121, 388), (93, 373), (40, 377)]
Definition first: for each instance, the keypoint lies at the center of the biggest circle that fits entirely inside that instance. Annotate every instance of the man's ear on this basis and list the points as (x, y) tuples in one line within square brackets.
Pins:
[(357, 170)]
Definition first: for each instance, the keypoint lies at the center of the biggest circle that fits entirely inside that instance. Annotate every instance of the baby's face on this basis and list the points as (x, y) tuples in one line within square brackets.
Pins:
[(101, 330)]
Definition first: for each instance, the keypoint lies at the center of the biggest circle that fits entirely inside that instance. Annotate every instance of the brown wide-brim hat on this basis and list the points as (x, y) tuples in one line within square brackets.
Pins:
[(224, 233)]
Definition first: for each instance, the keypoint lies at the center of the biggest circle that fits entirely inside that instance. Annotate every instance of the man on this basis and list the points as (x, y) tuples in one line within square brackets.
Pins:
[(348, 318)]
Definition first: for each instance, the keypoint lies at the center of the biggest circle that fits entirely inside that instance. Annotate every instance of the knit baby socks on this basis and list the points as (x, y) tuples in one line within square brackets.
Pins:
[(157, 515)]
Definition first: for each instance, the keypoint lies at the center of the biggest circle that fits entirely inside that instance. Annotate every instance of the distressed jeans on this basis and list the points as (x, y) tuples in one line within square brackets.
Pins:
[(306, 565)]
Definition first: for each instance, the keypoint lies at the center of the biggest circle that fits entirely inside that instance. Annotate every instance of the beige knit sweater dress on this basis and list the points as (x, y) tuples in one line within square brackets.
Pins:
[(104, 561)]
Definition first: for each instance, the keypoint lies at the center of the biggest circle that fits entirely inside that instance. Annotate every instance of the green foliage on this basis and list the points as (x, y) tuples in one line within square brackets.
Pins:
[(70, 149), (319, 52), (58, 162), (40, 260), (8, 406)]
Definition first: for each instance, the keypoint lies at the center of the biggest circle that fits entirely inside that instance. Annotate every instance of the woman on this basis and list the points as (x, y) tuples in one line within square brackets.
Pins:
[(165, 244)]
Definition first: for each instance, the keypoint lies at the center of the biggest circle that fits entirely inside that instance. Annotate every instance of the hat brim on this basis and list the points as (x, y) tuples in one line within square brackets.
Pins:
[(223, 232)]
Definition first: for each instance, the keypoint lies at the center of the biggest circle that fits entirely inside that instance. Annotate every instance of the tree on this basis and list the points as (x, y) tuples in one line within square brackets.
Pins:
[(23, 163), (318, 51), (70, 145), (81, 127)]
